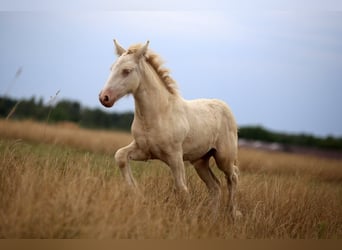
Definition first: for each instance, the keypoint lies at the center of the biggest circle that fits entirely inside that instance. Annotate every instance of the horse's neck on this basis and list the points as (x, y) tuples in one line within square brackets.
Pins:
[(152, 100)]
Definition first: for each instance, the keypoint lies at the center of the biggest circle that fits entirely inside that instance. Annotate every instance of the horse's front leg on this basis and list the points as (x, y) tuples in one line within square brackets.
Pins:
[(176, 163), (122, 158)]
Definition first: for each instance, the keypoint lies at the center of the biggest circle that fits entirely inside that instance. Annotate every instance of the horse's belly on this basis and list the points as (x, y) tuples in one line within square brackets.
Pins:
[(192, 156), (194, 150)]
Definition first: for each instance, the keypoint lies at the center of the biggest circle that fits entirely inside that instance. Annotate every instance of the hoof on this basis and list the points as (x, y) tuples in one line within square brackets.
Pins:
[(235, 215)]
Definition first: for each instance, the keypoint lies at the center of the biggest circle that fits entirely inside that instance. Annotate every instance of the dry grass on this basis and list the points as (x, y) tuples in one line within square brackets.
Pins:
[(61, 182), (65, 134)]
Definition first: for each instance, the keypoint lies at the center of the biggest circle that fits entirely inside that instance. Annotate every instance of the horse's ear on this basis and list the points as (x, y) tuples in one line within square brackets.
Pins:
[(119, 49), (142, 51)]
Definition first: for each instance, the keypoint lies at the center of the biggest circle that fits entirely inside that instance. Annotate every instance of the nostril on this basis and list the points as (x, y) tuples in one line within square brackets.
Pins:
[(106, 98)]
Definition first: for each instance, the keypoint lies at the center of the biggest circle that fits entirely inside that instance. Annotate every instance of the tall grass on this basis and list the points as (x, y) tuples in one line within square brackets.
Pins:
[(65, 134), (7, 90), (64, 184)]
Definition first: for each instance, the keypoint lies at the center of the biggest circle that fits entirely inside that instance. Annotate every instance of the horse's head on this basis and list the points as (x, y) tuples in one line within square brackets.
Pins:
[(124, 77)]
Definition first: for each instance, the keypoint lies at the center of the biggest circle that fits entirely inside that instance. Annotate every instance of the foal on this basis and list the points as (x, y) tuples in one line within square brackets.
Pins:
[(169, 128)]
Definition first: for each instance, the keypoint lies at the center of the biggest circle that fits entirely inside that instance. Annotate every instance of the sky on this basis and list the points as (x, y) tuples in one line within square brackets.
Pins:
[(278, 66)]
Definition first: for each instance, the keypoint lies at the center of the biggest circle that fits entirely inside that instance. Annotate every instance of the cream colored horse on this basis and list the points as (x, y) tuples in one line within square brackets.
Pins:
[(169, 128)]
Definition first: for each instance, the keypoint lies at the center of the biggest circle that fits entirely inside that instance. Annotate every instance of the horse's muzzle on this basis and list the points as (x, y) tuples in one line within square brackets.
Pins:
[(106, 99)]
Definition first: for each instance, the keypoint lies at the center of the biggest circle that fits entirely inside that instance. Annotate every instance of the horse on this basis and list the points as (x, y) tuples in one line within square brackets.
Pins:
[(169, 128)]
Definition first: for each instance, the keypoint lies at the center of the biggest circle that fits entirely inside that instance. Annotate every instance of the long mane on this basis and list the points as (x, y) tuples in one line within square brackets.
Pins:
[(157, 64)]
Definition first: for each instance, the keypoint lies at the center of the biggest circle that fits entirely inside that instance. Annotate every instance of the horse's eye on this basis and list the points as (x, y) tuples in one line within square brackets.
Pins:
[(125, 72)]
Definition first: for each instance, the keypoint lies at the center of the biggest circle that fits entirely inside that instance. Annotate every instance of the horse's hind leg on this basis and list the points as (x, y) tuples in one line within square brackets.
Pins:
[(230, 170), (210, 180)]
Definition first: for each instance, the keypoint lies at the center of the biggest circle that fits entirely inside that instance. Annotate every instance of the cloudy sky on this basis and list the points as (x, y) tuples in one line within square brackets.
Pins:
[(278, 66)]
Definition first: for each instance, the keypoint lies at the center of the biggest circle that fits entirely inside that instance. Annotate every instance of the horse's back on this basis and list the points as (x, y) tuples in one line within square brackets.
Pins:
[(212, 109)]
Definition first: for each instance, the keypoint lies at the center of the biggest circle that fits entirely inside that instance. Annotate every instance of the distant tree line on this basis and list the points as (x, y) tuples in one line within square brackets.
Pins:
[(261, 134), (66, 110)]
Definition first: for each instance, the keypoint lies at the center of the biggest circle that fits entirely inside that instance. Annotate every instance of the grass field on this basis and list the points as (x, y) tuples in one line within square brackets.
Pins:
[(61, 182)]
